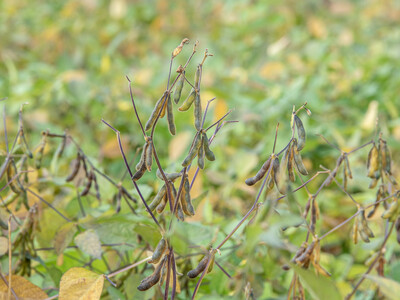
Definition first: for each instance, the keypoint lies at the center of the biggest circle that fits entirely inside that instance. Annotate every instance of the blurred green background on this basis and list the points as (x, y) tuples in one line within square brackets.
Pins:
[(69, 59)]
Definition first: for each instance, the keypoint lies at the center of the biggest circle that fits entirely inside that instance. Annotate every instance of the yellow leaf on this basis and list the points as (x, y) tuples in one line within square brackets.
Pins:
[(3, 245), (89, 243), (23, 288), (64, 236), (79, 283)]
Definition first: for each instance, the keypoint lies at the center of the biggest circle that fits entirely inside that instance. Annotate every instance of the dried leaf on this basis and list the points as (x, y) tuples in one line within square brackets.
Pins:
[(79, 283), (23, 288), (64, 237)]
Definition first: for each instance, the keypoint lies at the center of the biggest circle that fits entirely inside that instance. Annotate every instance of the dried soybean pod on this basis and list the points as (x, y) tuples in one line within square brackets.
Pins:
[(149, 154), (170, 176), (11, 171), (260, 174), (193, 151), (170, 117), (187, 199), (306, 255), (211, 265), (200, 267), (301, 133), (160, 207), (164, 107), (373, 163), (158, 252), (198, 115), (290, 164), (365, 226), (61, 147), (201, 155), (117, 201), (75, 168), (152, 280), (88, 185), (209, 154), (179, 87), (189, 100), (179, 213), (96, 187), (298, 160), (150, 122), (385, 155), (157, 199), (139, 173), (142, 157)]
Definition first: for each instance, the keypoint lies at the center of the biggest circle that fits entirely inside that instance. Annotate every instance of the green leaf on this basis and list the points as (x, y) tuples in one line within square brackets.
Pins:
[(389, 287), (319, 287), (89, 243)]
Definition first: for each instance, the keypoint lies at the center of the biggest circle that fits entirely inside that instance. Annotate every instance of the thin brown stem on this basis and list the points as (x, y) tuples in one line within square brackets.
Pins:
[(134, 107)]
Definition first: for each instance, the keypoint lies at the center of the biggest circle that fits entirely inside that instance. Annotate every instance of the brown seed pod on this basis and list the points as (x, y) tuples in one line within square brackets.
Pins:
[(88, 184), (170, 116), (142, 160), (298, 160), (152, 280), (300, 251), (301, 133), (209, 154), (139, 173), (149, 155), (75, 168), (200, 267), (178, 87), (364, 225), (304, 259), (96, 187), (164, 107), (11, 172), (193, 151), (314, 214), (159, 105), (61, 147), (170, 176), (160, 207), (260, 174), (290, 163), (186, 200), (198, 114), (385, 156), (157, 199), (87, 174), (189, 100), (178, 49), (179, 212), (373, 163), (159, 251), (201, 154)]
